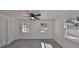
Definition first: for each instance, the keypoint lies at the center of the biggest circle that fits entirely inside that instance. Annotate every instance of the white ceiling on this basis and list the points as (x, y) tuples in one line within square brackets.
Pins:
[(46, 14)]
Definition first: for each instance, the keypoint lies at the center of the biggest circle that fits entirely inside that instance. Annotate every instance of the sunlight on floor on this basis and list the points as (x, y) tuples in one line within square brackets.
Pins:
[(46, 45)]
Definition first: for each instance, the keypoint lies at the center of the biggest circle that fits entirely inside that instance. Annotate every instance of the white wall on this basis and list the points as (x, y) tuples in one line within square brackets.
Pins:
[(59, 31), (35, 30)]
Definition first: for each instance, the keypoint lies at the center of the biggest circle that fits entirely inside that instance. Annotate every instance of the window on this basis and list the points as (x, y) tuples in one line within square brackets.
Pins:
[(25, 28), (43, 27), (71, 28)]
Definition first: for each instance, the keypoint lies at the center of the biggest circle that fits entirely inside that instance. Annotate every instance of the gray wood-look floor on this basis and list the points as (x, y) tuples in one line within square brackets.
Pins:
[(31, 43)]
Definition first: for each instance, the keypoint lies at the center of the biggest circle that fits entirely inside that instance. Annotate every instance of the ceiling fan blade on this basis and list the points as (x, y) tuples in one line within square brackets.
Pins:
[(38, 15), (37, 18)]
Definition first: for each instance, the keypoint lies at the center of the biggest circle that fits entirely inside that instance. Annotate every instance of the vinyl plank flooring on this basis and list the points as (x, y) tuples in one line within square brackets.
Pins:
[(31, 43)]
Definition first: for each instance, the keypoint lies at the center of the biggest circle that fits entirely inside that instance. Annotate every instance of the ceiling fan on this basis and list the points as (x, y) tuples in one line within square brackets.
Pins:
[(33, 16)]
